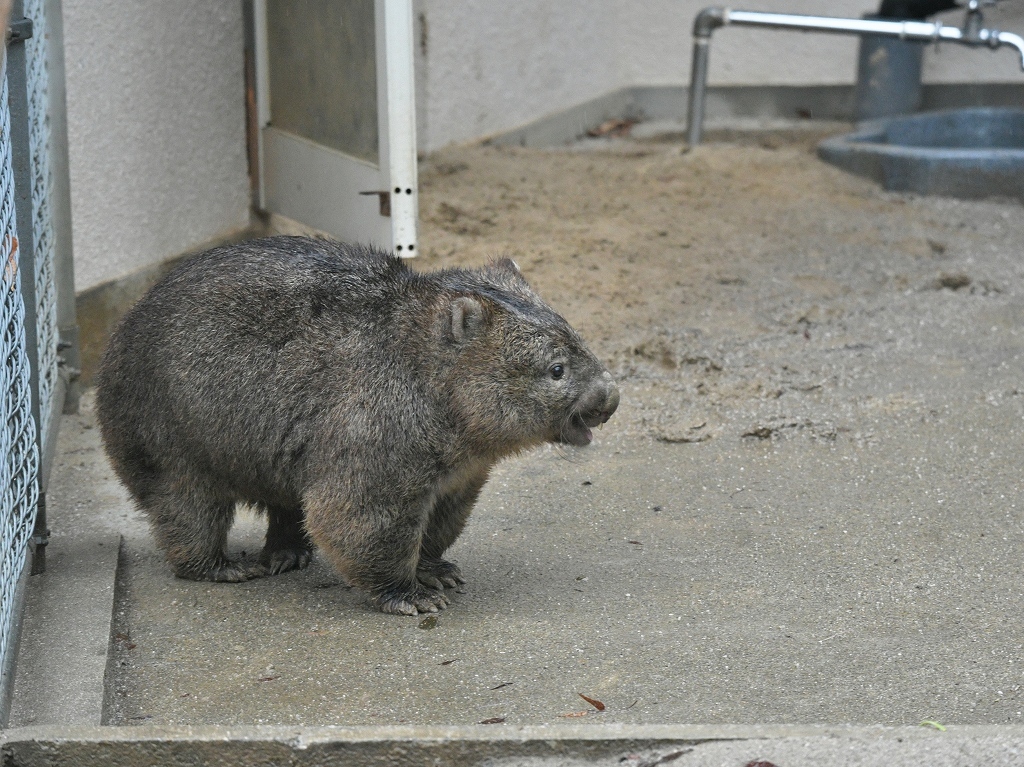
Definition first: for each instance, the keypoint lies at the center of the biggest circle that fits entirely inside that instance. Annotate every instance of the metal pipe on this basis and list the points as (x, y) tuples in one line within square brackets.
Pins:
[(706, 22), (697, 97), (710, 19)]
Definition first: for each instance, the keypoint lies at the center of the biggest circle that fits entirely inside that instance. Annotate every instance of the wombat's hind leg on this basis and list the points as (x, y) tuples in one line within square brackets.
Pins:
[(193, 530), (287, 547), (447, 519), (230, 571)]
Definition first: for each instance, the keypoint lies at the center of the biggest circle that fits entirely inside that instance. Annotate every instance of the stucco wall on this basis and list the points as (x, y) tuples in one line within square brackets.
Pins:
[(488, 66), (491, 65), (156, 130)]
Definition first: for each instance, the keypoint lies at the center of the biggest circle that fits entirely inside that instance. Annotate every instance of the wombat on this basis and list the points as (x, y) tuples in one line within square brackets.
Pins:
[(357, 403)]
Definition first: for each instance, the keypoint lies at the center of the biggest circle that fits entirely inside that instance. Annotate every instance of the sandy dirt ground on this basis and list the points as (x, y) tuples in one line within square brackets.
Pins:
[(718, 284)]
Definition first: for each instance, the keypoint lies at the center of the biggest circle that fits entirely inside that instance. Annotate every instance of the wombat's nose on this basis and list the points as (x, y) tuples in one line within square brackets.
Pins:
[(611, 404)]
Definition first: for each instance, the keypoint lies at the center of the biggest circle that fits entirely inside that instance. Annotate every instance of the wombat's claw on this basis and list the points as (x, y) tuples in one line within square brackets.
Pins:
[(439, 574), (428, 580), (283, 560), (225, 572), (418, 600)]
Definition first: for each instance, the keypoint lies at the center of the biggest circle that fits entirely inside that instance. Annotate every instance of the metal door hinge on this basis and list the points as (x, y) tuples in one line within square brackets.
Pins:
[(19, 31)]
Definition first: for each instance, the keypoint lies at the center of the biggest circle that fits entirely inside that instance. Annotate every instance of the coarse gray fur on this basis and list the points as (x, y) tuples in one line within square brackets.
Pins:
[(356, 402)]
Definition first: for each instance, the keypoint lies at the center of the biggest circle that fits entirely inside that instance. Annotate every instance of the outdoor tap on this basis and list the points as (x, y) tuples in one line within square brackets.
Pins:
[(974, 32), (994, 39), (973, 21)]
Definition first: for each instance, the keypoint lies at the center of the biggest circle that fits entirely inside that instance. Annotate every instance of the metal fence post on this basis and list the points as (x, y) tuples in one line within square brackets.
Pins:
[(33, 279), (60, 204)]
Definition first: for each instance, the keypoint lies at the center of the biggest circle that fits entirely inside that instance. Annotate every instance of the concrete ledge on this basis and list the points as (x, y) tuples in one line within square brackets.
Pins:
[(536, 746), (62, 663)]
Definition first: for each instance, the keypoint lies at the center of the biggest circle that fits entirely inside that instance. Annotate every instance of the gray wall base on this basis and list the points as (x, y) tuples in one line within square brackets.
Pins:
[(734, 103)]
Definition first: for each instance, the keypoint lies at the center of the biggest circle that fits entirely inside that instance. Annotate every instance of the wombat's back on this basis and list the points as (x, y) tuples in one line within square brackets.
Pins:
[(262, 282), (224, 359)]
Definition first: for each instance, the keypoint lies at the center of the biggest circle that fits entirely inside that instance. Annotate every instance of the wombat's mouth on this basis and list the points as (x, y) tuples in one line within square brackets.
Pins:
[(594, 408), (578, 430)]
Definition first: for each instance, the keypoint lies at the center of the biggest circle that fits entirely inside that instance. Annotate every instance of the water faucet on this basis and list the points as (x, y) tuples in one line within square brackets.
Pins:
[(974, 19), (973, 31)]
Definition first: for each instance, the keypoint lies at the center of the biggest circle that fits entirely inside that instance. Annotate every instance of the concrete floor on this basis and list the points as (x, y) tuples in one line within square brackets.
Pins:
[(840, 554), (873, 578)]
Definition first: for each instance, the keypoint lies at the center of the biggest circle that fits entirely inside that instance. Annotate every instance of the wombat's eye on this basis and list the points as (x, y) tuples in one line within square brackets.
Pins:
[(557, 371)]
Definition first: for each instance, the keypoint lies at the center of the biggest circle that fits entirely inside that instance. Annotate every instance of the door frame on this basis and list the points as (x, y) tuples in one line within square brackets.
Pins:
[(328, 190)]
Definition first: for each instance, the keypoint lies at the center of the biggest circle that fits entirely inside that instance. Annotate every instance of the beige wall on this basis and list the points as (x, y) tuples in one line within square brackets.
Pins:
[(490, 66), (156, 129)]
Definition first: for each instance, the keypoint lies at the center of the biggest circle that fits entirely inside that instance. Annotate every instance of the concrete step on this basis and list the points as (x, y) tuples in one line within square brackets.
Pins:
[(62, 655)]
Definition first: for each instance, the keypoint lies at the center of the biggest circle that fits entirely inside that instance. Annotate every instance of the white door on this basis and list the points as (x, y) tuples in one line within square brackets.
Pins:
[(337, 117)]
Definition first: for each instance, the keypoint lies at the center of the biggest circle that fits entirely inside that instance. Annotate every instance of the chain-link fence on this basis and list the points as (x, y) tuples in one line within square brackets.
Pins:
[(33, 391), (20, 467)]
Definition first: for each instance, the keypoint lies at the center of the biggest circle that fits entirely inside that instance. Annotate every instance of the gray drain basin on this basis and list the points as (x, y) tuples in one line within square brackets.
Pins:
[(966, 153)]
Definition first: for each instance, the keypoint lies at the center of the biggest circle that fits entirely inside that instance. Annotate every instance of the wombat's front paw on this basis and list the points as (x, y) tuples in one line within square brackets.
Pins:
[(412, 601), (439, 573)]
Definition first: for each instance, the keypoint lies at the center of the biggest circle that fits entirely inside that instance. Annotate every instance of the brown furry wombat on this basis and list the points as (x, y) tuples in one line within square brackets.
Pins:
[(357, 403)]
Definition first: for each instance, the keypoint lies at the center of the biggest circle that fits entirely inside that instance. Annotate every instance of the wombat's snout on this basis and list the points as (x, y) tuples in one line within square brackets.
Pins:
[(594, 407), (598, 404), (611, 403)]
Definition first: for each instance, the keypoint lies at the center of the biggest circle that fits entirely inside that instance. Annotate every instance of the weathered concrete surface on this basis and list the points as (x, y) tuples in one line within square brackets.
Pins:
[(561, 746), (749, 581)]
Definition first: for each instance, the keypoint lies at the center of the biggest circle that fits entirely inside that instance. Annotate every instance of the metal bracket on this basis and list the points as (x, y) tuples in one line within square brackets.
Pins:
[(385, 202), (19, 31), (40, 537)]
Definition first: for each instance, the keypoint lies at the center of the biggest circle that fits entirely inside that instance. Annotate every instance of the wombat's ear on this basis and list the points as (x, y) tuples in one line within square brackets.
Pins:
[(467, 317), (508, 265)]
